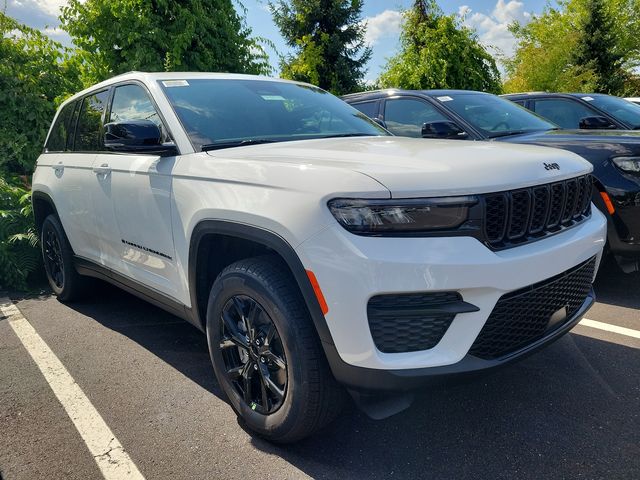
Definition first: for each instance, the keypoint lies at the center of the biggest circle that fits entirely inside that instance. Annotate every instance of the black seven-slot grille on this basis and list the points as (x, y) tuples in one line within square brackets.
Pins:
[(409, 322), (519, 216), (524, 316)]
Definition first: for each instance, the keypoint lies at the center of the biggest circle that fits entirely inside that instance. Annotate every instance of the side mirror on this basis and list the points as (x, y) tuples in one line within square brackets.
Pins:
[(443, 129), (380, 122), (136, 136), (596, 123)]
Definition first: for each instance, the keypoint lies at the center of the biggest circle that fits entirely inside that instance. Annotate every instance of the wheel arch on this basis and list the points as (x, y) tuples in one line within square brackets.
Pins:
[(208, 234), (43, 206)]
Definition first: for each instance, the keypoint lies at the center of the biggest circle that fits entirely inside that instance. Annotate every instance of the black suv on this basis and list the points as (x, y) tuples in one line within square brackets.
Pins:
[(581, 110), (465, 115)]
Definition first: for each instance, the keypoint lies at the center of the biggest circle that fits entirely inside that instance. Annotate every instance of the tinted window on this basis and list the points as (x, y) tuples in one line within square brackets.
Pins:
[(57, 141), (88, 132), (226, 111), (619, 109), (566, 113), (492, 115), (370, 109), (131, 102), (405, 116)]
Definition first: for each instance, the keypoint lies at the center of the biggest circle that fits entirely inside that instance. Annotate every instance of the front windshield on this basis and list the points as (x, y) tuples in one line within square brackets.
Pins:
[(232, 112), (494, 116), (618, 108)]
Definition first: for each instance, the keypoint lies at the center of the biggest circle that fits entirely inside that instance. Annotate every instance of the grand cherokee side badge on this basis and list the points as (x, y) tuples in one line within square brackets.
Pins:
[(551, 166)]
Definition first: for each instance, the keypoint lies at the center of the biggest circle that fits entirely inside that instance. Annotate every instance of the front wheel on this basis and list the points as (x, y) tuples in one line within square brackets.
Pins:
[(266, 354)]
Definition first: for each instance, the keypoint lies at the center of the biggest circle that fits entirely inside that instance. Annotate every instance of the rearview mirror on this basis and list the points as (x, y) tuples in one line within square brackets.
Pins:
[(443, 129), (596, 123), (136, 136)]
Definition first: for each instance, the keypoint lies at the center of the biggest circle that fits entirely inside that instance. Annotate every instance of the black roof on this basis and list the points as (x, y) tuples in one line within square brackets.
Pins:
[(374, 94), (524, 95)]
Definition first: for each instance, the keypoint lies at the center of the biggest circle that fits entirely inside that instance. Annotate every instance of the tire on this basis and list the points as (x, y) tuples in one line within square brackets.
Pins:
[(311, 396), (57, 256)]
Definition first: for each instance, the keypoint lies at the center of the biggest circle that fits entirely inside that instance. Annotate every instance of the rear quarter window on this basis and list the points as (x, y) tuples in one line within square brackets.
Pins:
[(62, 130)]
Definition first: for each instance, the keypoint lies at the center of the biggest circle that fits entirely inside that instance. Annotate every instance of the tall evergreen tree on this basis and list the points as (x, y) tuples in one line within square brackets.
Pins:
[(436, 51), (328, 40), (115, 36), (596, 49)]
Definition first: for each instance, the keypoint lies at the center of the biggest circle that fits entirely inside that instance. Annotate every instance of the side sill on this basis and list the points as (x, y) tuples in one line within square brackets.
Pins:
[(91, 269)]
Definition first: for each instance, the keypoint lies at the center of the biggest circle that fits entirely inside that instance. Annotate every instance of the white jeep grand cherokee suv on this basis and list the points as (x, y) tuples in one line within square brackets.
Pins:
[(315, 250)]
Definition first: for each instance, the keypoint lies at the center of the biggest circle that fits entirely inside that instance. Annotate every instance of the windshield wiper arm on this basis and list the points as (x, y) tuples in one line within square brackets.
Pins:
[(507, 134), (235, 143), (344, 135)]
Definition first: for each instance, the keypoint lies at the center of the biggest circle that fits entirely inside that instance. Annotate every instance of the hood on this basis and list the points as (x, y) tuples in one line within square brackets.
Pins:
[(619, 136), (597, 146), (412, 167)]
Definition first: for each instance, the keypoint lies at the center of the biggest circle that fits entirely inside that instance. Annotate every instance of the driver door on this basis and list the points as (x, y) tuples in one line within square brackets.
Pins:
[(133, 201), (405, 116)]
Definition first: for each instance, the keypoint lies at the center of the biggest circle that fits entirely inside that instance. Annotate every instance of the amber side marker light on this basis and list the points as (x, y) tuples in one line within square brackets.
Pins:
[(316, 289), (607, 201)]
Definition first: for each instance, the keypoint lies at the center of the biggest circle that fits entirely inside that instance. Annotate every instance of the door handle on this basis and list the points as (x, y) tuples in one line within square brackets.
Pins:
[(103, 169)]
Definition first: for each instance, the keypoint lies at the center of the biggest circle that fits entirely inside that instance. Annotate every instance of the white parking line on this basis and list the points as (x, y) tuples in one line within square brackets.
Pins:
[(610, 328), (112, 460)]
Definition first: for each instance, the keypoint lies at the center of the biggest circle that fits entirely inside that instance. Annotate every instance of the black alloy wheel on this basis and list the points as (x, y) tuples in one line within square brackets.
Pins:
[(253, 354), (53, 261), (58, 259)]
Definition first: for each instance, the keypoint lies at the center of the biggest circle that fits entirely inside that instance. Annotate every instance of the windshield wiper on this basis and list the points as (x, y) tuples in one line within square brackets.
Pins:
[(344, 135), (507, 134), (235, 143)]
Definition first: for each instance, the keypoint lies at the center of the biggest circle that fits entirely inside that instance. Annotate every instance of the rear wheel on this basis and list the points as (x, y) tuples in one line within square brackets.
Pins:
[(266, 354), (57, 255)]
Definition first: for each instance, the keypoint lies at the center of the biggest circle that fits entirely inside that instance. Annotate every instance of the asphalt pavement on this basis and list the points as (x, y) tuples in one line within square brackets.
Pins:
[(570, 411)]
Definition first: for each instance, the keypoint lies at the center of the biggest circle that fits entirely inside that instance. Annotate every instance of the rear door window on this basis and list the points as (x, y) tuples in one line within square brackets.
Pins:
[(370, 109), (88, 136)]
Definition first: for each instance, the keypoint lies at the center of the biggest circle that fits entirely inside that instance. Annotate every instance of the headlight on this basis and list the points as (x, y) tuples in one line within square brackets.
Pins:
[(628, 164), (370, 217)]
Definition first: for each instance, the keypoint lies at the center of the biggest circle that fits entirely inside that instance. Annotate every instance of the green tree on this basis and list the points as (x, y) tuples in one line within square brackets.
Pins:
[(577, 46), (597, 48), (437, 51), (328, 39), (35, 75), (116, 36)]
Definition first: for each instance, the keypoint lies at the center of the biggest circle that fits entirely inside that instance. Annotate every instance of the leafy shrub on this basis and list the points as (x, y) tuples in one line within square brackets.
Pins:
[(19, 252)]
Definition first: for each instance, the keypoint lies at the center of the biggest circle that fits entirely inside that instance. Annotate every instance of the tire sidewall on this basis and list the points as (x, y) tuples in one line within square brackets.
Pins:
[(235, 283), (50, 224)]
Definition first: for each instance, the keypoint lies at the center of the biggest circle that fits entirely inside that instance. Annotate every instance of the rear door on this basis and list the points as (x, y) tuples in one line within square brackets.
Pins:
[(71, 149), (132, 195)]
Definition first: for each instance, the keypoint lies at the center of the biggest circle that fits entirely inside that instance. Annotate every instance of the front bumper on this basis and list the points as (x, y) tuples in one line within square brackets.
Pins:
[(624, 224), (369, 379), (352, 269)]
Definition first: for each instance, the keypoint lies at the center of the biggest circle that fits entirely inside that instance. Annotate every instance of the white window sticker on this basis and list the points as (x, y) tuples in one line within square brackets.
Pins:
[(587, 99), (446, 98), (175, 83), (273, 97)]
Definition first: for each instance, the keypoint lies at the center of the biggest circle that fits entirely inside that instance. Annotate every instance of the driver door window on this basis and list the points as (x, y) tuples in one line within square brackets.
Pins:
[(131, 102), (565, 113), (405, 116)]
